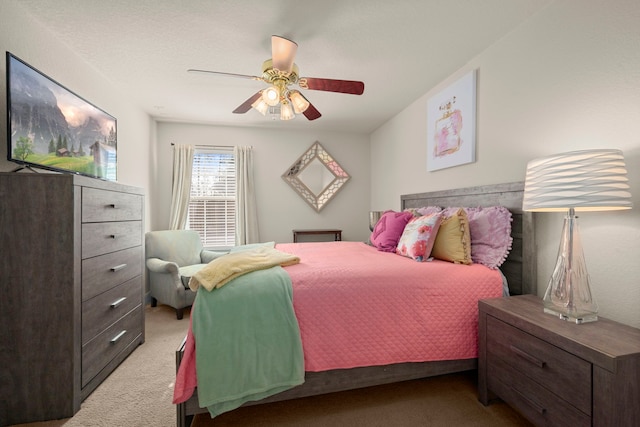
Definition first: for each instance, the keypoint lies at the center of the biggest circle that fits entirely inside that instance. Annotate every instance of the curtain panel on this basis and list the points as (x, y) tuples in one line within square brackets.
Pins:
[(246, 211), (181, 187)]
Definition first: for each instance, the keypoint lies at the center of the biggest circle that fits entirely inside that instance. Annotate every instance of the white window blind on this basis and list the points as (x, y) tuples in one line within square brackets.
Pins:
[(213, 198)]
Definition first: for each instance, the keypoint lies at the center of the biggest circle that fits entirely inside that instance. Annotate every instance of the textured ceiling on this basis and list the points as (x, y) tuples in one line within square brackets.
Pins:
[(399, 50)]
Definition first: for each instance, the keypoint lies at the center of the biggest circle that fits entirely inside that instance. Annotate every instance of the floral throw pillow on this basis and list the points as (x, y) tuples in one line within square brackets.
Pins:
[(388, 230), (425, 210), (418, 236)]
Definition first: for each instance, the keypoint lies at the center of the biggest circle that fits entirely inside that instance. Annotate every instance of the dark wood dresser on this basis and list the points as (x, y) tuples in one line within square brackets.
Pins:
[(558, 373), (71, 307)]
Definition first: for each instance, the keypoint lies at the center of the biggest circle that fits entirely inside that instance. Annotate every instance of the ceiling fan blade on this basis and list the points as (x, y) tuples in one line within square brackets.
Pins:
[(246, 105), (219, 73), (342, 86), (283, 52), (311, 113)]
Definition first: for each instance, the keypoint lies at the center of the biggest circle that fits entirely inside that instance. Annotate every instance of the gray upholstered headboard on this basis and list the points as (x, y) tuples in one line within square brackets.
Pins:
[(520, 266)]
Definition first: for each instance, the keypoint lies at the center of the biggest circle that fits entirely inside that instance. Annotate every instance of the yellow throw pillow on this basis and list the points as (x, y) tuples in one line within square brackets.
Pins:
[(453, 241)]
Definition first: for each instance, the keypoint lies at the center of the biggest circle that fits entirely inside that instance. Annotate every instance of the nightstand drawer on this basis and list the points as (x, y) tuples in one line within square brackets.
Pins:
[(103, 272), (105, 237), (534, 401), (98, 352), (562, 373), (103, 310), (103, 205)]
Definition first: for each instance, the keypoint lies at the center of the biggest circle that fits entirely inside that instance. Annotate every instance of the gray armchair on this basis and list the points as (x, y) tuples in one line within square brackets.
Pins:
[(172, 257)]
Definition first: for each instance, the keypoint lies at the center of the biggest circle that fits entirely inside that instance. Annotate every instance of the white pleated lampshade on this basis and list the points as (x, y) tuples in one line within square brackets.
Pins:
[(588, 180)]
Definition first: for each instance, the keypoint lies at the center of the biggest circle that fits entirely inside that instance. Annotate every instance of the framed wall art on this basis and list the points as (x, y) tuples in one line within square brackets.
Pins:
[(451, 124)]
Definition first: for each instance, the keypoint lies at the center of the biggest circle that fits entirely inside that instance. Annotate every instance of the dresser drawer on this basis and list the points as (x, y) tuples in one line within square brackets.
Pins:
[(533, 400), (98, 352), (103, 272), (564, 374), (105, 237), (103, 310), (104, 205)]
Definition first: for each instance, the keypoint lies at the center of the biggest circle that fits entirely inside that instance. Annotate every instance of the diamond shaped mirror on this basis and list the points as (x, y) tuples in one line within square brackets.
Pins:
[(316, 176)]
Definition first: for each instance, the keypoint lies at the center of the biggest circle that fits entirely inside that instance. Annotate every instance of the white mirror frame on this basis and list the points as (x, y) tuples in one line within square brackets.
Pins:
[(338, 177)]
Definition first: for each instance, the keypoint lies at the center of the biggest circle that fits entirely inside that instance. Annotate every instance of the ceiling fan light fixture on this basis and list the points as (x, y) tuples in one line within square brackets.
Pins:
[(300, 104), (286, 111), (260, 106), (280, 72), (271, 96)]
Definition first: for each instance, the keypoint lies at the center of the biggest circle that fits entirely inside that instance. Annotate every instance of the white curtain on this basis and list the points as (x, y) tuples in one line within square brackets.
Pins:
[(246, 212), (182, 165)]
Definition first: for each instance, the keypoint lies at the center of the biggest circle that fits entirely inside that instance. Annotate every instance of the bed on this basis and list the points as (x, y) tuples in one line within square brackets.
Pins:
[(520, 276)]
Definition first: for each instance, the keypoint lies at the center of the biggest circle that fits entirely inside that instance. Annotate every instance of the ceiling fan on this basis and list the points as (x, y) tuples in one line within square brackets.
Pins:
[(280, 72)]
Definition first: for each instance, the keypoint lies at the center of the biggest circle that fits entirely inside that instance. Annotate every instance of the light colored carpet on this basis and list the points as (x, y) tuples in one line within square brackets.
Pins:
[(139, 393)]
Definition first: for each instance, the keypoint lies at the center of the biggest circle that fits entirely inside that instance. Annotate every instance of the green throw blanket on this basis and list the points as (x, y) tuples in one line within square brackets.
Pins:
[(247, 338)]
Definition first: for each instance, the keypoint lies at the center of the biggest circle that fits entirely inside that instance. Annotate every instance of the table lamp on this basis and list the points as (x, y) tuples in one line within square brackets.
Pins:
[(588, 180), (374, 217)]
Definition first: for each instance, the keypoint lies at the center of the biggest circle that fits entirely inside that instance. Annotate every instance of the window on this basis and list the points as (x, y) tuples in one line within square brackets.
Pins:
[(213, 198)]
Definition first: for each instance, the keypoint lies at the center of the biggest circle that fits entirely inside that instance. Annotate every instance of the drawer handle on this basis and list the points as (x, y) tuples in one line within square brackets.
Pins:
[(117, 302), (111, 205), (526, 356), (112, 236), (118, 267), (530, 402), (117, 337)]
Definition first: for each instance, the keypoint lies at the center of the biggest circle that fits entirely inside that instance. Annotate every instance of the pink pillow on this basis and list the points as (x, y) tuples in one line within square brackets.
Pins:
[(490, 235), (490, 230), (418, 236), (388, 230)]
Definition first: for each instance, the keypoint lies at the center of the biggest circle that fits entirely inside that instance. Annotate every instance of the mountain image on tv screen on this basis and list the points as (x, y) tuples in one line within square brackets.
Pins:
[(53, 128)]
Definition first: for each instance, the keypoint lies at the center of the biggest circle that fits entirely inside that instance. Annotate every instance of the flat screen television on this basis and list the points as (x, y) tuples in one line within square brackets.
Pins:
[(52, 128)]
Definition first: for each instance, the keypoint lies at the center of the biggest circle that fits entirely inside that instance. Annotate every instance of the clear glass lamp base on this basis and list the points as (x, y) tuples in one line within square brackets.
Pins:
[(568, 295), (570, 317)]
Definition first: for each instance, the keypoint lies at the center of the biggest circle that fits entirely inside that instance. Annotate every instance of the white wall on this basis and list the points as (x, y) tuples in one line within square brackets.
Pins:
[(280, 209), (25, 38), (565, 80)]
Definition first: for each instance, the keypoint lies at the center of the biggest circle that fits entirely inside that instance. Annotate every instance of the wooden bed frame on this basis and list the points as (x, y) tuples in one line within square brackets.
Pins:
[(520, 275)]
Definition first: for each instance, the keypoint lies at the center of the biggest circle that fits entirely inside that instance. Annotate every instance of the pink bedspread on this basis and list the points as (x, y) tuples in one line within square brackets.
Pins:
[(357, 306)]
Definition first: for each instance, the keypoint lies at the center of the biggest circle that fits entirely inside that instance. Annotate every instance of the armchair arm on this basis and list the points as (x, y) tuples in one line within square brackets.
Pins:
[(159, 266), (208, 256)]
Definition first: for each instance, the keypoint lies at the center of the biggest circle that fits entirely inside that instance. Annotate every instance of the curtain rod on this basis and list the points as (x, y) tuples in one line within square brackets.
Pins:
[(215, 147)]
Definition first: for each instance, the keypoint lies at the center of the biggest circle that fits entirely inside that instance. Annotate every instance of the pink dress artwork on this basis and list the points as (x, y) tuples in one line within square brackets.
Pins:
[(448, 129)]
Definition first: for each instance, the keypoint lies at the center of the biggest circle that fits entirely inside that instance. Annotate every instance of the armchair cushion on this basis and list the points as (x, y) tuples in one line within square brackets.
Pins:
[(208, 256), (188, 271)]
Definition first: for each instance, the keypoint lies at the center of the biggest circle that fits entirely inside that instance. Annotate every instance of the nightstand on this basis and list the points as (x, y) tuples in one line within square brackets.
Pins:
[(556, 372)]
